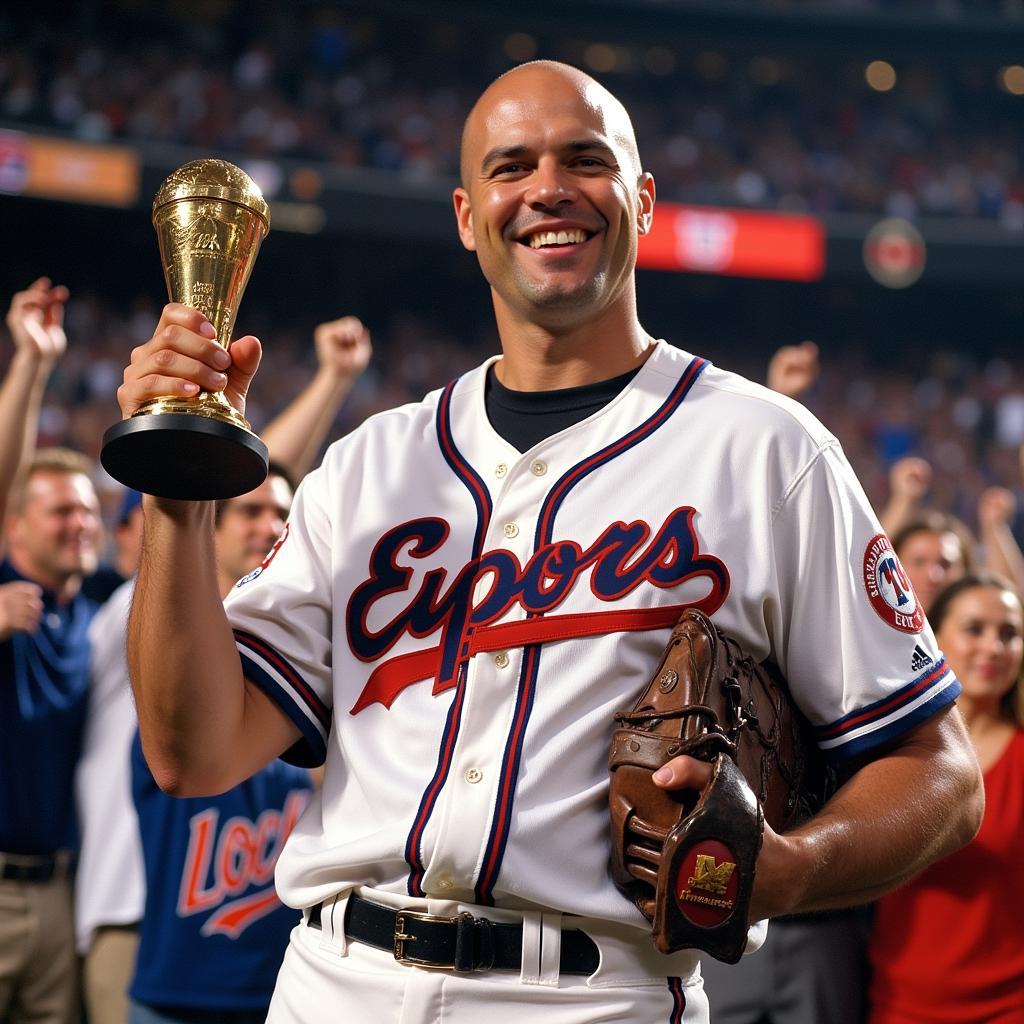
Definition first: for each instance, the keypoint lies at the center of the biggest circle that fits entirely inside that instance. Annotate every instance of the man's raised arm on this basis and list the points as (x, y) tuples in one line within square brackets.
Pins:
[(35, 320), (204, 727), (297, 433)]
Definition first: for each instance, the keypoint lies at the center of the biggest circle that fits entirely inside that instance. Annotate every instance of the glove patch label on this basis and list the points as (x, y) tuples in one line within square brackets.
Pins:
[(707, 884), (889, 588)]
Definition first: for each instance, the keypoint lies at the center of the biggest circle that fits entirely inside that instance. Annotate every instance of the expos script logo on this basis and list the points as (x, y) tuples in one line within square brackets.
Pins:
[(222, 863), (455, 606)]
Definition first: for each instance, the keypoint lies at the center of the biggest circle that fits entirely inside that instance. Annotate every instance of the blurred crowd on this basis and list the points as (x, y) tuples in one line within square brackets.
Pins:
[(756, 127), (963, 417)]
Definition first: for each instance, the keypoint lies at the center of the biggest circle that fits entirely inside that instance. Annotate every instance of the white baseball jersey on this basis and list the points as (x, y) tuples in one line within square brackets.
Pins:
[(110, 886), (452, 624)]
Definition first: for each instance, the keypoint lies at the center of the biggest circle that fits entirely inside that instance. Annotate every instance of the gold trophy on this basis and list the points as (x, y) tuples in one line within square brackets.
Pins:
[(210, 218)]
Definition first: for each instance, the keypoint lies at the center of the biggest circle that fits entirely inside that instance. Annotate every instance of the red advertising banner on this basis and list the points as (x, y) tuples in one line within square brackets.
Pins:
[(742, 243)]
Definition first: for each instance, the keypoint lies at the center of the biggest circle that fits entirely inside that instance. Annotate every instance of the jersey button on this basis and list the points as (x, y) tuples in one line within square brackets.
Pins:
[(539, 468), (474, 775), (500, 470), (501, 659), (511, 530)]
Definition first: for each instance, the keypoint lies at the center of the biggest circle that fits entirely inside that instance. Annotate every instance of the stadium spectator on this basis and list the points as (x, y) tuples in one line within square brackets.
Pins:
[(909, 480), (794, 369), (935, 550), (997, 508), (51, 537), (127, 540), (946, 946)]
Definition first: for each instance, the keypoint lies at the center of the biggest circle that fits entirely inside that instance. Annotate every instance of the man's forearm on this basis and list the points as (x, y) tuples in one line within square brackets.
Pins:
[(899, 511), (20, 398), (896, 815), (185, 669), (1003, 553)]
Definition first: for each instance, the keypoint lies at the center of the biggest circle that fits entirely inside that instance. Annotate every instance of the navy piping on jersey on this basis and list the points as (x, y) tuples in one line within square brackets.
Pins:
[(482, 499), (413, 853), (266, 682), (934, 688), (675, 988), (500, 824)]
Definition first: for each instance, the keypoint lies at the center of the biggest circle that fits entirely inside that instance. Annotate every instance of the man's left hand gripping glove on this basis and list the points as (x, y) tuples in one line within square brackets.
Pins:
[(686, 859)]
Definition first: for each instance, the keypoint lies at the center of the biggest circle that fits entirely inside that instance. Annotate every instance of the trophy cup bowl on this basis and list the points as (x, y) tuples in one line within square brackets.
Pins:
[(210, 218)]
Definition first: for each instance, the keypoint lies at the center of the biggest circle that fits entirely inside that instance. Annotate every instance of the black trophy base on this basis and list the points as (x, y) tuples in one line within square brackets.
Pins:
[(178, 455)]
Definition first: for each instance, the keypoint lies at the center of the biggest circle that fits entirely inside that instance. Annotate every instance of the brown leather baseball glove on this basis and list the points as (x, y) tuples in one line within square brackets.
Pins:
[(686, 858)]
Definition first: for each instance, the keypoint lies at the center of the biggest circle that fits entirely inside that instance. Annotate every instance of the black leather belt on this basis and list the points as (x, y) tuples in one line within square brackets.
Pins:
[(22, 867), (462, 943)]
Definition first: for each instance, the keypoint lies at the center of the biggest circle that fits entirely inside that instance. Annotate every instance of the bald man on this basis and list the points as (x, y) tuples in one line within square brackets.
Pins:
[(468, 588)]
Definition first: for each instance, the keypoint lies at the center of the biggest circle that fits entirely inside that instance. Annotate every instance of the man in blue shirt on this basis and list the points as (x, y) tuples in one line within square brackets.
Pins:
[(51, 539)]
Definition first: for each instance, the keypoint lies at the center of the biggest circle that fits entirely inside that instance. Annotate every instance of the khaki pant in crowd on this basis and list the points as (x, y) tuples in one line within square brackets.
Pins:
[(38, 967), (107, 973)]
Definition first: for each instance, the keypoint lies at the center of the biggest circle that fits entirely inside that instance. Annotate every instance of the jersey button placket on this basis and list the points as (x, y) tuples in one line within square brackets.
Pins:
[(490, 693), (467, 802)]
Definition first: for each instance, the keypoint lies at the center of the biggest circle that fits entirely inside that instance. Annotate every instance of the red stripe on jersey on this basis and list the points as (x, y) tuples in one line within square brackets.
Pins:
[(389, 679)]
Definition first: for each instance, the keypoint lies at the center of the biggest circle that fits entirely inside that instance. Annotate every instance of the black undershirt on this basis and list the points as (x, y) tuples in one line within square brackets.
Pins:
[(525, 418)]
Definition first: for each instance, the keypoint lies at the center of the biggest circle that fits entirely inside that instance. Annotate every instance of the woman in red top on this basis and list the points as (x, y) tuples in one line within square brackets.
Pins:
[(949, 945)]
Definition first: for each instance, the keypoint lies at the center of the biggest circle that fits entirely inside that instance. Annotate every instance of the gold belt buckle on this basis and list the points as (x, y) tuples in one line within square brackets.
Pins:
[(402, 937)]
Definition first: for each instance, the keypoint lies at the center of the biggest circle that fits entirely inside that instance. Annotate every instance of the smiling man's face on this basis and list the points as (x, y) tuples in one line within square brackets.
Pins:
[(553, 197)]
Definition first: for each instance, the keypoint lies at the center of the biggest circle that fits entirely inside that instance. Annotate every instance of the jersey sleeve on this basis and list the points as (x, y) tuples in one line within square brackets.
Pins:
[(281, 617), (848, 631)]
